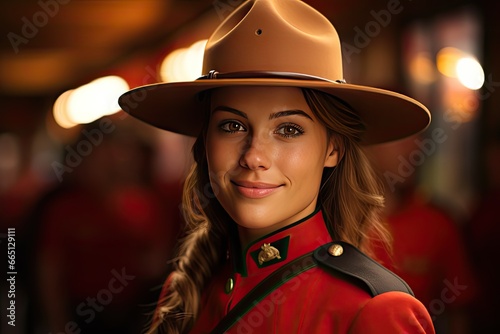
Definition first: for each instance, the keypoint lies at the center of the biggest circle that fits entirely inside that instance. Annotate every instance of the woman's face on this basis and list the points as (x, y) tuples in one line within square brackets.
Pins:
[(266, 152)]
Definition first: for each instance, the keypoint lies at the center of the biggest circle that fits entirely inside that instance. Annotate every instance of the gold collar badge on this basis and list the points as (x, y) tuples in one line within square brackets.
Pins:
[(268, 253)]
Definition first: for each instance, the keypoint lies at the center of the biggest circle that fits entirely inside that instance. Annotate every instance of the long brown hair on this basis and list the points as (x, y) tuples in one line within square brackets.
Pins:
[(350, 196)]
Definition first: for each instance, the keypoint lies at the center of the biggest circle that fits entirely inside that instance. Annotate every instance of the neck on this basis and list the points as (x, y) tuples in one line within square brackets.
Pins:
[(291, 240), (249, 235)]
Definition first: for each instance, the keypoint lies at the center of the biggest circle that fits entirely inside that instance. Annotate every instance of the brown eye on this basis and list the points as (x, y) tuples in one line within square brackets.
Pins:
[(232, 126), (289, 130)]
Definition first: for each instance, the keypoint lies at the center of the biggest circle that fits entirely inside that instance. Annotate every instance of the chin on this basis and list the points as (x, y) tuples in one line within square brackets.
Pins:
[(251, 221), (261, 220)]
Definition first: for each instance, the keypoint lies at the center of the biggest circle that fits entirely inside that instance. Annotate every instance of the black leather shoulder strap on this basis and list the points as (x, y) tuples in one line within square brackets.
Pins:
[(353, 265), (346, 261)]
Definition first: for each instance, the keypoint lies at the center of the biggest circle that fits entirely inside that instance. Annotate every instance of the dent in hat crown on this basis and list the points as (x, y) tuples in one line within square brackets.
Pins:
[(275, 35)]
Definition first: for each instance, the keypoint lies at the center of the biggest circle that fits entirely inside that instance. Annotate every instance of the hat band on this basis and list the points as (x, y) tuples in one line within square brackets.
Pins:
[(213, 74)]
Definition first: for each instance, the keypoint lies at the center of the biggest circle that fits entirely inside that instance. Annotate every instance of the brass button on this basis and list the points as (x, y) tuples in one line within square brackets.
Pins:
[(229, 285), (335, 250)]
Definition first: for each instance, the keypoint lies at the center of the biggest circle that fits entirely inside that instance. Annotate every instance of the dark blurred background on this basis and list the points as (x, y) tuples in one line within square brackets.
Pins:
[(95, 201)]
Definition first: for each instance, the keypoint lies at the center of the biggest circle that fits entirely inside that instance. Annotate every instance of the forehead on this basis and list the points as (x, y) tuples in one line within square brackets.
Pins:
[(246, 98)]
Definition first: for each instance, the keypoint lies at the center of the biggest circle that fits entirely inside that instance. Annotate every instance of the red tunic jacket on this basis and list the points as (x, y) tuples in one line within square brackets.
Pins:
[(314, 301)]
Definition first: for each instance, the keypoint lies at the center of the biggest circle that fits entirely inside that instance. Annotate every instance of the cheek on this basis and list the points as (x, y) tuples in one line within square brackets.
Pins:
[(304, 158), (221, 157), (215, 170), (214, 156), (303, 169)]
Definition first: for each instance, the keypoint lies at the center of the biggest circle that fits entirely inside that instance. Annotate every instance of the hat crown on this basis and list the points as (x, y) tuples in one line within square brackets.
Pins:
[(275, 35), (273, 43)]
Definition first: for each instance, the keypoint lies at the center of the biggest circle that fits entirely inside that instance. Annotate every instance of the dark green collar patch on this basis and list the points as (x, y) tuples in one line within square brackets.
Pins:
[(271, 253)]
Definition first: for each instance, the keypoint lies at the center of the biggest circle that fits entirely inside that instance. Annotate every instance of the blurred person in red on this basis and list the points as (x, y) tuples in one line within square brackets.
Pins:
[(427, 251), (105, 239), (483, 233)]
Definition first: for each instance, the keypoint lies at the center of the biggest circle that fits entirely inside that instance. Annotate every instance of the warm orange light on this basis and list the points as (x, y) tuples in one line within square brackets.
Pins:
[(457, 64), (89, 102), (60, 112), (447, 59), (422, 68), (183, 64), (461, 105)]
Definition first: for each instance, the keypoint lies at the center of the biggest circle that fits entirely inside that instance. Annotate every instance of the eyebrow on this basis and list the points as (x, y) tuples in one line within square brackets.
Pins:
[(231, 110), (290, 113), (271, 117)]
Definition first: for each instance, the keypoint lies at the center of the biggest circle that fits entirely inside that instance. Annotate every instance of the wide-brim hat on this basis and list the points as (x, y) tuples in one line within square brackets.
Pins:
[(275, 43)]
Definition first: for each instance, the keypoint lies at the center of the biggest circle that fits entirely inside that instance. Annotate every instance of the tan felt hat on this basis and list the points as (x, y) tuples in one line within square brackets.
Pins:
[(275, 43)]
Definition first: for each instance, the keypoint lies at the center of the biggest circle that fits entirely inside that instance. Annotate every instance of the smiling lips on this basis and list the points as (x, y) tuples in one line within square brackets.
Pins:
[(255, 189)]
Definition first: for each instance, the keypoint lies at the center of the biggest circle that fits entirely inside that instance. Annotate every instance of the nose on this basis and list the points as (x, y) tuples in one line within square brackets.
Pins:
[(255, 155)]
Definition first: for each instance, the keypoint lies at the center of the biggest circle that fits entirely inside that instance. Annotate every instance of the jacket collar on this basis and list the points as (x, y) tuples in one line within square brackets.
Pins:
[(273, 250)]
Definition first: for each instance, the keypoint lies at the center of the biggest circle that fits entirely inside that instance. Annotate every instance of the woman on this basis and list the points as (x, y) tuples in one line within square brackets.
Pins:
[(281, 196)]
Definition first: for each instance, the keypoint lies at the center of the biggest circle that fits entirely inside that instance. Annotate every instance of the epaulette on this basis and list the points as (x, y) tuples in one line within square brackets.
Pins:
[(351, 264)]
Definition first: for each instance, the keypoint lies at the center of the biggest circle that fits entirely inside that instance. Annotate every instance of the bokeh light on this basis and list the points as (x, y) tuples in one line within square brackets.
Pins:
[(454, 63), (183, 64), (470, 73), (422, 68), (89, 102), (446, 61), (60, 113)]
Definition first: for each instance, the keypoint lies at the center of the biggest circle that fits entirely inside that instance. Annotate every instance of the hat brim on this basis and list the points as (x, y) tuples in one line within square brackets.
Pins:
[(176, 107)]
